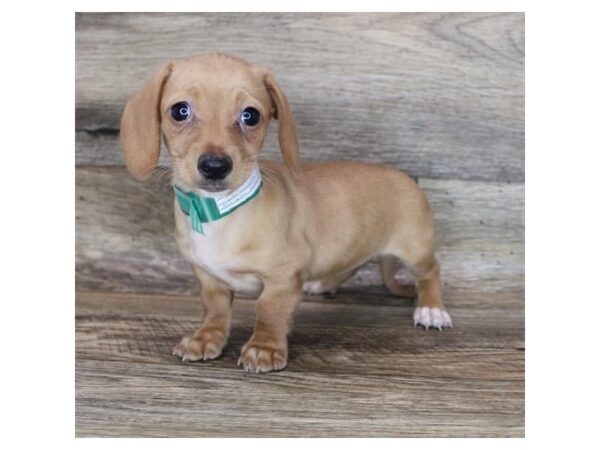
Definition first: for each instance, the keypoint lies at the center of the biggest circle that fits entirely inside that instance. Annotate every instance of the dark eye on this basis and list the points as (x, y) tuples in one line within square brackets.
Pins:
[(250, 116), (181, 111)]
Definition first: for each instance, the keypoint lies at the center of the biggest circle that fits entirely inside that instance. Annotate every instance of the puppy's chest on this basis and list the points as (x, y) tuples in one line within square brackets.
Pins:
[(218, 253)]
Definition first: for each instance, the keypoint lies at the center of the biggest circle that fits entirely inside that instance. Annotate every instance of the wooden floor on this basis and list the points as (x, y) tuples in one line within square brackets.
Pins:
[(357, 367)]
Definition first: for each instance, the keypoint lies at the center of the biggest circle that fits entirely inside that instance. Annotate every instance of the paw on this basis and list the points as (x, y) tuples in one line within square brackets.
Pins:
[(432, 317), (258, 356), (318, 287), (203, 346)]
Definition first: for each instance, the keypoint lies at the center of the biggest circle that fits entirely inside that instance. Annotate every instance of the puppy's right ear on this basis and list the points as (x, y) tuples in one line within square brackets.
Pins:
[(140, 126)]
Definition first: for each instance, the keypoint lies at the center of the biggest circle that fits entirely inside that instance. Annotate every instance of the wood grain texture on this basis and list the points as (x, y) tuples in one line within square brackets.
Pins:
[(354, 370), (438, 95), (125, 243)]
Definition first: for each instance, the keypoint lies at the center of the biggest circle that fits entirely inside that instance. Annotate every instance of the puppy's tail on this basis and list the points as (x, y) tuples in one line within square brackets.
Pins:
[(389, 266)]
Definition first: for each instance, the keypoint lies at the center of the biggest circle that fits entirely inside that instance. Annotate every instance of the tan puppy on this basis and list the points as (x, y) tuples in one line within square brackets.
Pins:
[(309, 225)]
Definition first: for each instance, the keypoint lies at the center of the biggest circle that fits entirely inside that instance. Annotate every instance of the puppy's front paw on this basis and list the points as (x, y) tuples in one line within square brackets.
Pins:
[(263, 355), (204, 345), (432, 317)]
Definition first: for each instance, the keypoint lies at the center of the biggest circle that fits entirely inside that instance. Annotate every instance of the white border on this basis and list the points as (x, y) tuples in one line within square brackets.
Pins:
[(304, 6), (562, 220)]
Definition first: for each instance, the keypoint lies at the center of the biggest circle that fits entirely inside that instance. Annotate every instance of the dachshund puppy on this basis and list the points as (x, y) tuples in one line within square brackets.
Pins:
[(265, 229)]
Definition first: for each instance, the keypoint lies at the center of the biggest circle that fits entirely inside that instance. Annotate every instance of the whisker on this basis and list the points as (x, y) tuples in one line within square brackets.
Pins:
[(269, 175), (162, 176)]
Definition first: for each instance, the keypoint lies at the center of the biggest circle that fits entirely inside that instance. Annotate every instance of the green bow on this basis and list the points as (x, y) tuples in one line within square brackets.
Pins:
[(204, 209)]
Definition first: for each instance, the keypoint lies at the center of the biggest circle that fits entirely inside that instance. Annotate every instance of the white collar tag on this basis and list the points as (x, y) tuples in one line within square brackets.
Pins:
[(242, 194)]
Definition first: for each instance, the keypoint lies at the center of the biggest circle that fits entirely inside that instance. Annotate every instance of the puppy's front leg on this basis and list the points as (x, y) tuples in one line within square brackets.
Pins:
[(211, 337), (267, 348)]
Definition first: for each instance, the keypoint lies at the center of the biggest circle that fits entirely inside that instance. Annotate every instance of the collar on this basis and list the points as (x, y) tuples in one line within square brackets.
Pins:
[(208, 209)]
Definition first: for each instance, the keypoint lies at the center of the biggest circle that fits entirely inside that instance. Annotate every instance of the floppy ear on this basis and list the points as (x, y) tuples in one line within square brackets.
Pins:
[(140, 127), (288, 136)]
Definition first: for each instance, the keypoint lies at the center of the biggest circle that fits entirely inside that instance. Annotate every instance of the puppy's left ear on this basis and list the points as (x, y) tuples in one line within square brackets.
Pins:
[(140, 126), (288, 136)]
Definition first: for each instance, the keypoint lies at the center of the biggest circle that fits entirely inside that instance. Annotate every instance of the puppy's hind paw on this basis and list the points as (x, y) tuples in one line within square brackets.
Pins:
[(318, 287), (432, 317)]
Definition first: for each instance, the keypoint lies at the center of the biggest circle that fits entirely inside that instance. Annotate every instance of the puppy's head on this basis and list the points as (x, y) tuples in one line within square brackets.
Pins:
[(213, 111)]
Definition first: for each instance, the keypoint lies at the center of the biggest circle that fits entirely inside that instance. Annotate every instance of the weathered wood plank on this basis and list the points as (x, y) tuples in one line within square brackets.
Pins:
[(480, 233), (124, 237), (439, 95), (102, 148), (142, 328), (354, 370)]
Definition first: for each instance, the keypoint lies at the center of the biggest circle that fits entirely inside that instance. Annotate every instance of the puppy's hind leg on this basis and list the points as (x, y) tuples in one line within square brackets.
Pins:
[(389, 267), (430, 311), (327, 284)]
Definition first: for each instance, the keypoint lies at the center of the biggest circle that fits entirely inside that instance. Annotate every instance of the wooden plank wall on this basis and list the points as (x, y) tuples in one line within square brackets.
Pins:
[(440, 96)]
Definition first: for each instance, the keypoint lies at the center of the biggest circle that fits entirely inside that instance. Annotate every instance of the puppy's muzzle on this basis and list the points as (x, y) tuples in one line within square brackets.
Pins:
[(214, 167)]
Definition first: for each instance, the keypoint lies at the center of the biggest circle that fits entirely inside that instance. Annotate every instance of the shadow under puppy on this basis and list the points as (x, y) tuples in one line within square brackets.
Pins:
[(266, 229)]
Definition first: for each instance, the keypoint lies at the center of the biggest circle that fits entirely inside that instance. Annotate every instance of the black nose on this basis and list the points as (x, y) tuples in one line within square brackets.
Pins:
[(214, 167)]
